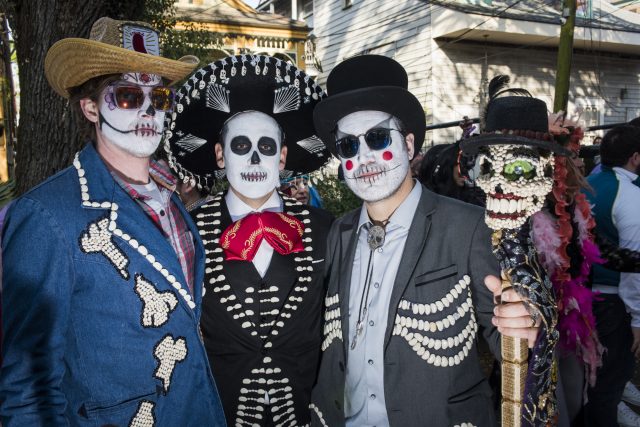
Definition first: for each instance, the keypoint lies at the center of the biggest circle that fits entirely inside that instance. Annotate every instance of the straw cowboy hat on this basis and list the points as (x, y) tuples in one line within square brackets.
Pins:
[(113, 47)]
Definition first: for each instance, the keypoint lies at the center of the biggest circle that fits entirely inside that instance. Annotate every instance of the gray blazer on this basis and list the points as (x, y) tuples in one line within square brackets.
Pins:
[(446, 257)]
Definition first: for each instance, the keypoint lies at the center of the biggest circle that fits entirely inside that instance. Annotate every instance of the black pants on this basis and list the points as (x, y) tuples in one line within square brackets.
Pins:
[(614, 330)]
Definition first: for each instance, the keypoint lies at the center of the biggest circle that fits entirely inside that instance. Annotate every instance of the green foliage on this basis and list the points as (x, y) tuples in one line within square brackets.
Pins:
[(336, 196), (193, 40)]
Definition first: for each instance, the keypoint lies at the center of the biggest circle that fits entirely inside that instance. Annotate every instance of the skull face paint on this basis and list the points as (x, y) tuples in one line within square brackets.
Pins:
[(516, 180), (135, 131), (374, 175), (251, 149)]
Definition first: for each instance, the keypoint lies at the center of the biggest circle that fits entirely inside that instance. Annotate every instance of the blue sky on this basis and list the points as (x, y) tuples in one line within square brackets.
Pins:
[(252, 3)]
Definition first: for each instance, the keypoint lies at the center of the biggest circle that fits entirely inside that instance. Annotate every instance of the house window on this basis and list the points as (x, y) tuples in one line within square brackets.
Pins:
[(347, 4)]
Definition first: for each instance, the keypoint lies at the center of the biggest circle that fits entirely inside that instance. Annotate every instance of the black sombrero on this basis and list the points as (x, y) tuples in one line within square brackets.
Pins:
[(221, 89), (368, 82), (517, 119)]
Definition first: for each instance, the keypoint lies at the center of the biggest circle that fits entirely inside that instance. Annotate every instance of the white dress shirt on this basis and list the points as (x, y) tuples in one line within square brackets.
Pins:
[(626, 218), (364, 387), (239, 209)]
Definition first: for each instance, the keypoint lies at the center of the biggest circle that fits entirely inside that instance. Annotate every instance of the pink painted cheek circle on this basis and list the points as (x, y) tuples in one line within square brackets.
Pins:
[(387, 155), (349, 165)]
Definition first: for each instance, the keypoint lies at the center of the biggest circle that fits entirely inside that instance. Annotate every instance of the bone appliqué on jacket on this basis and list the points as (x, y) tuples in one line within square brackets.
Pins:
[(332, 321), (441, 332)]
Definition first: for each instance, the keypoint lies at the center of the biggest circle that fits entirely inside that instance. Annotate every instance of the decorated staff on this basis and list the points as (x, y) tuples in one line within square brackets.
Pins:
[(516, 157), (250, 118)]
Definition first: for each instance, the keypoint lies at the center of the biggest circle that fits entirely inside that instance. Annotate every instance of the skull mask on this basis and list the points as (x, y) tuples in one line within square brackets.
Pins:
[(253, 153), (516, 179)]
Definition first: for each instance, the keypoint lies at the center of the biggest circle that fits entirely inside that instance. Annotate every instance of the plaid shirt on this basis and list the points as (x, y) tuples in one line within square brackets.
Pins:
[(178, 233)]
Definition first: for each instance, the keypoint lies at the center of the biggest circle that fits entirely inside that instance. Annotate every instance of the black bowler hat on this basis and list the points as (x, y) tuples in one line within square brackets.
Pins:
[(517, 119), (221, 89), (368, 82)]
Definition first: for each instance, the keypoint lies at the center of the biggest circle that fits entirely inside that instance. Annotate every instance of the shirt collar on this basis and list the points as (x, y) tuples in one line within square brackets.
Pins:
[(403, 216), (626, 173), (238, 208), (158, 172)]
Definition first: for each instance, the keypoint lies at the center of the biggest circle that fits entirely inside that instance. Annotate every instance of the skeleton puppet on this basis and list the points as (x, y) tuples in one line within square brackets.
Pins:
[(516, 157)]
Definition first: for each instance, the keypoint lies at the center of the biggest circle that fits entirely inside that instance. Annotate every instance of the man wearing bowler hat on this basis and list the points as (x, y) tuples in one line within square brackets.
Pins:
[(103, 266), (405, 292)]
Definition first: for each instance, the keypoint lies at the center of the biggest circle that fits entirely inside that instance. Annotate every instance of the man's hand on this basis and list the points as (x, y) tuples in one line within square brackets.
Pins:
[(635, 348), (512, 318)]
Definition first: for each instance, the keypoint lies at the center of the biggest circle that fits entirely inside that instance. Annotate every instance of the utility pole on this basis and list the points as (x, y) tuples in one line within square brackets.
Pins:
[(565, 55)]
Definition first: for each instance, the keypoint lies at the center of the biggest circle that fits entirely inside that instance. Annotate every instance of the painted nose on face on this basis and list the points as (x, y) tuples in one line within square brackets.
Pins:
[(150, 110), (255, 158)]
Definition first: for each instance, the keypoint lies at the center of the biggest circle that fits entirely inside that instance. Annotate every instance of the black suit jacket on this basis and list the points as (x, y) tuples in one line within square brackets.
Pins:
[(263, 335), (446, 256)]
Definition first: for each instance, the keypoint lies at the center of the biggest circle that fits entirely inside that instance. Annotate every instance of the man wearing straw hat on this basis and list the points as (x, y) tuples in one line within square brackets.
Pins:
[(103, 266)]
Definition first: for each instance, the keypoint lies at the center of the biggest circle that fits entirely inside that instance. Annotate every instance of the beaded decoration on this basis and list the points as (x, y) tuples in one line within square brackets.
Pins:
[(318, 412), (99, 239), (332, 321), (112, 227), (419, 327), (168, 352), (144, 416), (265, 378), (156, 305)]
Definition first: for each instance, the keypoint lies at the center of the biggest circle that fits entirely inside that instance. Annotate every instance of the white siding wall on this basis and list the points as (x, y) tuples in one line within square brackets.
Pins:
[(399, 29), (458, 70)]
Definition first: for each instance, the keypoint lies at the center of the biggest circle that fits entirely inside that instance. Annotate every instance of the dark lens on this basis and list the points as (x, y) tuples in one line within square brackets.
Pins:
[(377, 139), (129, 97), (347, 146), (162, 98), (240, 145), (267, 146)]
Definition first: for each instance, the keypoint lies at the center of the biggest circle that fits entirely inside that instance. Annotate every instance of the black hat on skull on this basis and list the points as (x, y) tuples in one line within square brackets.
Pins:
[(224, 88)]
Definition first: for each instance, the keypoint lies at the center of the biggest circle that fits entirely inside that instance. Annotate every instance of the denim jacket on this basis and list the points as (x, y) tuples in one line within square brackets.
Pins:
[(99, 326)]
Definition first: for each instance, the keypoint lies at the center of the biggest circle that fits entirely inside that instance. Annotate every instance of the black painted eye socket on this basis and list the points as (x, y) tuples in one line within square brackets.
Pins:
[(240, 145), (267, 146)]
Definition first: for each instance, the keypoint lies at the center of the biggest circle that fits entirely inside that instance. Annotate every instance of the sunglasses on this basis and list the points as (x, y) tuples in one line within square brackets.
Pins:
[(376, 139), (131, 97)]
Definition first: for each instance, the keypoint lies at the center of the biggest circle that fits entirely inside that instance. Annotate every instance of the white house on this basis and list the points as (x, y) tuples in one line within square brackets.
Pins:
[(452, 48)]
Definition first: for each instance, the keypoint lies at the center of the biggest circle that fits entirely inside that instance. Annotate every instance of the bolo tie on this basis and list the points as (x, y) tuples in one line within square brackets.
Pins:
[(376, 234)]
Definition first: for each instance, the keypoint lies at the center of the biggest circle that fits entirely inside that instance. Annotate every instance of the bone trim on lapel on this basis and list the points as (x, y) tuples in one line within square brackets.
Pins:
[(109, 186), (415, 245)]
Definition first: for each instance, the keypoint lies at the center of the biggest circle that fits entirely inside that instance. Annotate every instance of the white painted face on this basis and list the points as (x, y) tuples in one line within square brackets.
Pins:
[(252, 153), (516, 180), (374, 175), (135, 131)]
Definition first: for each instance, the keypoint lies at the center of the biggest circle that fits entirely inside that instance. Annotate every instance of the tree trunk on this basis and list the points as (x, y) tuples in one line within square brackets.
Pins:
[(47, 136)]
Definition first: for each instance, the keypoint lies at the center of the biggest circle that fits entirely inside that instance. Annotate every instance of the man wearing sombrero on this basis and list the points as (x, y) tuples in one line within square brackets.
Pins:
[(405, 292), (103, 266), (249, 117)]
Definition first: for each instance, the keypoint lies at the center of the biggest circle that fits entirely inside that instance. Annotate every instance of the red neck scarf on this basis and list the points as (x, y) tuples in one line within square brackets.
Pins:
[(242, 239)]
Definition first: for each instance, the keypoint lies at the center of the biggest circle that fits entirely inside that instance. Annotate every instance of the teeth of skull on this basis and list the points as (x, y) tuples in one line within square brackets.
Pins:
[(513, 206), (504, 206)]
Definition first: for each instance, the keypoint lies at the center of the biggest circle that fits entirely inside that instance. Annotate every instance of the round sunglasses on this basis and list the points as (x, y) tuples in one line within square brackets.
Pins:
[(377, 139), (131, 97)]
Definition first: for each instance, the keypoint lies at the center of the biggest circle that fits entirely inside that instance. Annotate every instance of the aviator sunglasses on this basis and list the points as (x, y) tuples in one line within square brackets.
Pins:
[(131, 97), (377, 139)]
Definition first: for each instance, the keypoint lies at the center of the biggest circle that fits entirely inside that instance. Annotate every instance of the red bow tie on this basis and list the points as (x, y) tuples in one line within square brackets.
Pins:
[(242, 239)]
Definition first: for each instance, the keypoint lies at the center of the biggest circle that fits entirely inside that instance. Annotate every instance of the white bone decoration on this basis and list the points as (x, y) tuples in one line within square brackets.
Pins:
[(144, 417), (99, 239), (169, 352), (332, 321), (420, 327), (156, 305)]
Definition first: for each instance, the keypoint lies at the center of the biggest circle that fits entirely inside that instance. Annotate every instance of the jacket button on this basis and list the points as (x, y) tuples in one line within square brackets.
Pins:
[(337, 405), (341, 365)]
